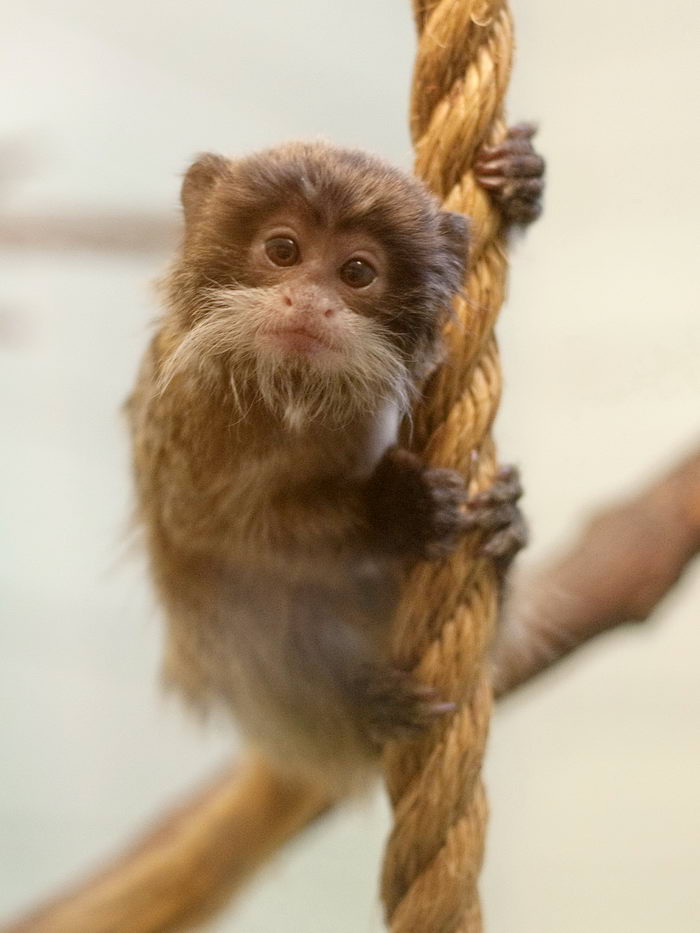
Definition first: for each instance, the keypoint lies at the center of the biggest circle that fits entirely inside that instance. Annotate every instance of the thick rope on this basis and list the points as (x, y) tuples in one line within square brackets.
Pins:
[(446, 616)]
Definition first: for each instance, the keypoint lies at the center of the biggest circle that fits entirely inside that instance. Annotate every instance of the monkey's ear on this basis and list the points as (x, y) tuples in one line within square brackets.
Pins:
[(455, 229), (199, 179)]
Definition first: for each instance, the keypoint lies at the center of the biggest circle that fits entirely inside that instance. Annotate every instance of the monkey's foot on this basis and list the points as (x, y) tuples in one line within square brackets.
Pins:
[(496, 512), (416, 510), (395, 706), (514, 173)]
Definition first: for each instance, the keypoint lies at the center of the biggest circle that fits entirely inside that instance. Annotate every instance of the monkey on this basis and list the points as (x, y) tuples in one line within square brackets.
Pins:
[(278, 508), (302, 316)]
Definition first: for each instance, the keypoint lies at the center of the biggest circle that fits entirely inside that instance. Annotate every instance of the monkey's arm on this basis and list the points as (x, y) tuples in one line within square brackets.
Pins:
[(404, 509), (422, 511)]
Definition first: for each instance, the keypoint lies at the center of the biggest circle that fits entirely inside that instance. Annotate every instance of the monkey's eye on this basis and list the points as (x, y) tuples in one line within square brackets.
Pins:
[(358, 273), (282, 251)]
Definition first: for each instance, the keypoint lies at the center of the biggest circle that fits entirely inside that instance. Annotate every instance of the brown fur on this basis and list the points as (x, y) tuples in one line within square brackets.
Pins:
[(256, 468)]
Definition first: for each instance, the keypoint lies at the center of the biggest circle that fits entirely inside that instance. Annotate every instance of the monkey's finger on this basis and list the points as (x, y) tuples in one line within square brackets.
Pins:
[(525, 189), (517, 137), (491, 182), (507, 147), (516, 197), (492, 517), (522, 210), (493, 162), (446, 484), (505, 544), (531, 188), (526, 129), (514, 165), (509, 473), (506, 488)]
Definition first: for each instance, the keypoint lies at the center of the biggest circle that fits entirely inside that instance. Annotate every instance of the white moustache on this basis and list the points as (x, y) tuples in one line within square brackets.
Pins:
[(359, 374)]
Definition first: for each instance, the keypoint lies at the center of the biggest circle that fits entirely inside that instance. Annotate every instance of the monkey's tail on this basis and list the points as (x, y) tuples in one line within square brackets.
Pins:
[(190, 862)]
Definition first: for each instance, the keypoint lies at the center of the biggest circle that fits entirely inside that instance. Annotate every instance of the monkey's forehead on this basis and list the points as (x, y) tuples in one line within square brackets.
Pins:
[(335, 188)]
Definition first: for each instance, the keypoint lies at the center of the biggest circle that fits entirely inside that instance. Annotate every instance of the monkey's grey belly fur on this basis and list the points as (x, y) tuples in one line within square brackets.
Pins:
[(289, 687)]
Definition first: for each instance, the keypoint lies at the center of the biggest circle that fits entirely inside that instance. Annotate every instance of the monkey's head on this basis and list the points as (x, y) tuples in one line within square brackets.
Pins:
[(316, 278)]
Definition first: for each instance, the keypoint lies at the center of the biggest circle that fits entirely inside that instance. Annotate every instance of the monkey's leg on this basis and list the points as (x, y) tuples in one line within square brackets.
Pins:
[(514, 174), (338, 668)]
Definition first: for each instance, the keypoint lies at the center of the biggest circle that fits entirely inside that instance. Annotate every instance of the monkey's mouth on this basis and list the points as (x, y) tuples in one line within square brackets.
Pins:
[(301, 339)]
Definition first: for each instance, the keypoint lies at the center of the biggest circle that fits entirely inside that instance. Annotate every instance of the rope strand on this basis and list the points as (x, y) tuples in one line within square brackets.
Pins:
[(447, 611)]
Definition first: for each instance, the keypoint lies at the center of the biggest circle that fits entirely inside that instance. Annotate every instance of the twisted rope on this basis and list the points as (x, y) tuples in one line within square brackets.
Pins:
[(447, 611)]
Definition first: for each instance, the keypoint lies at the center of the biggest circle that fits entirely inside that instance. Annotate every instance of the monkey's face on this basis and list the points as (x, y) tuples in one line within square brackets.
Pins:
[(324, 289), (320, 276)]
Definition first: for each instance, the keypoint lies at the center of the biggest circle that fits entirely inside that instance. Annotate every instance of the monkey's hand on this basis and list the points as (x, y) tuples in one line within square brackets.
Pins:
[(514, 174), (415, 510), (496, 513), (423, 512)]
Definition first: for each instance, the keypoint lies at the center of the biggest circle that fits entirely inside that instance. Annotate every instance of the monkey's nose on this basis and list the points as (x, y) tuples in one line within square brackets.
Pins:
[(309, 303), (302, 303)]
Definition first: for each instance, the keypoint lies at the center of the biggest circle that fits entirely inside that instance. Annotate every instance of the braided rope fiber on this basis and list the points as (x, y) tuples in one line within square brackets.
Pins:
[(447, 611)]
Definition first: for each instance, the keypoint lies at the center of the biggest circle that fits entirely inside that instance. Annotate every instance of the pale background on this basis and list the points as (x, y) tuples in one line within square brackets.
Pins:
[(594, 773)]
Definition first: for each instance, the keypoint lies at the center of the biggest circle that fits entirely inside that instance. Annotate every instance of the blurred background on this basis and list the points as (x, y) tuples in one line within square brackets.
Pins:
[(593, 771)]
